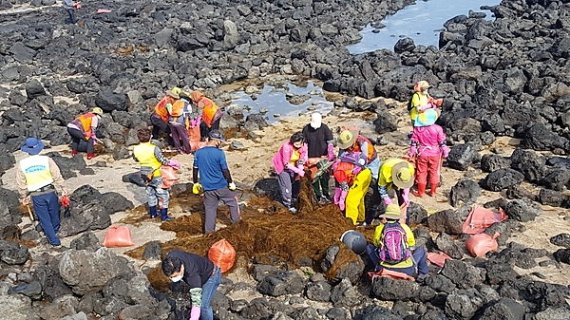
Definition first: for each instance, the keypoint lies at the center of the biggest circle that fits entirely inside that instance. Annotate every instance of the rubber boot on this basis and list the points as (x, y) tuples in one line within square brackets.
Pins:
[(90, 156), (152, 212), (421, 190), (164, 215), (433, 189)]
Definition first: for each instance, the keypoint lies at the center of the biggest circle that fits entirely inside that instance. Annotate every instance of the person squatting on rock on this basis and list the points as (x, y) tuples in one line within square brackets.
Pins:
[(161, 113), (289, 163), (398, 175), (84, 128), (212, 176), (151, 159), (352, 141), (177, 122), (39, 183), (70, 6), (319, 139), (353, 181), (200, 274), (427, 149), (394, 247), (211, 113)]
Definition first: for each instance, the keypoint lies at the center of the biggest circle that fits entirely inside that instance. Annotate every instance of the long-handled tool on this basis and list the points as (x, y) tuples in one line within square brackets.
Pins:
[(30, 214)]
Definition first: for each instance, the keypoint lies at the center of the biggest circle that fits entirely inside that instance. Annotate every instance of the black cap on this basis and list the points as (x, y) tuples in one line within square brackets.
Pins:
[(216, 134)]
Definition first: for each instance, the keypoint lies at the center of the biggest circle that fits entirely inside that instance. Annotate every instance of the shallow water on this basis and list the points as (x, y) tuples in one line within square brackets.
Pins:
[(275, 100), (422, 22)]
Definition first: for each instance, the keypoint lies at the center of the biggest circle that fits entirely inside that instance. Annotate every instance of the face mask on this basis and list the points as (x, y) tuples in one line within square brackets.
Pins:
[(177, 278)]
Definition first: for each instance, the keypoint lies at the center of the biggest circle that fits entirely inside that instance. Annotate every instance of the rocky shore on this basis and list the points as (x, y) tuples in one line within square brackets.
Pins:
[(505, 78)]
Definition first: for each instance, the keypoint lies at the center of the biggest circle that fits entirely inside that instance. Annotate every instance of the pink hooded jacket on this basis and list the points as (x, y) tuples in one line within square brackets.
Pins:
[(282, 157), (428, 140)]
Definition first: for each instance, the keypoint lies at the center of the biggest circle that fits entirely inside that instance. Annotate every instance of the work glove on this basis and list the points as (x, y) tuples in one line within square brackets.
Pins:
[(342, 200), (444, 151), (26, 201), (64, 201), (330, 152), (195, 313), (387, 200), (406, 196), (232, 186), (361, 162), (196, 188), (321, 164), (87, 136), (343, 186), (174, 164), (412, 152), (300, 171)]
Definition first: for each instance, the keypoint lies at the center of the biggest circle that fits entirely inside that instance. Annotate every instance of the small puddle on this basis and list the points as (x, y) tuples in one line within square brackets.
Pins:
[(422, 21), (282, 99)]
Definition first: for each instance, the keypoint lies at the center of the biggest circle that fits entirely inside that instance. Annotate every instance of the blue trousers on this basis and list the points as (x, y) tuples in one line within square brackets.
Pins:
[(46, 207), (419, 255), (208, 291)]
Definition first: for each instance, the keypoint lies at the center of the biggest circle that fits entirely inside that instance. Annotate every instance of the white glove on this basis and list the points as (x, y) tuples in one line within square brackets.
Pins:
[(361, 162), (232, 186)]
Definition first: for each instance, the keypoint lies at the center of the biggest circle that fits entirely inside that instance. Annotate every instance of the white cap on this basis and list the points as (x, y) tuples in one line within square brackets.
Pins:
[(316, 120)]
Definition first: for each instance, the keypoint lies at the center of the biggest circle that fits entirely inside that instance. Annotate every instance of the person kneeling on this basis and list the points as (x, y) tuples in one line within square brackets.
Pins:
[(394, 247)]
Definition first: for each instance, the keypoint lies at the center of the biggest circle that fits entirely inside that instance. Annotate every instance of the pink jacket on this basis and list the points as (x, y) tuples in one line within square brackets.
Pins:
[(282, 157), (428, 140)]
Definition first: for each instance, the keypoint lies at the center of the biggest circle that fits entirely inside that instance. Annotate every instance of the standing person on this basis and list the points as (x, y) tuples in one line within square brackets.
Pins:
[(70, 6), (84, 127), (421, 101), (396, 174), (193, 120), (319, 139), (427, 147), (352, 141), (39, 183), (177, 122), (151, 159), (211, 169), (395, 247), (288, 163), (161, 113), (211, 113), (200, 274)]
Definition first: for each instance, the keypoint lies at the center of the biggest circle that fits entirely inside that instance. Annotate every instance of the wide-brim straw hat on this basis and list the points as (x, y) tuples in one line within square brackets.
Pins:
[(392, 212), (402, 175), (347, 138), (426, 118)]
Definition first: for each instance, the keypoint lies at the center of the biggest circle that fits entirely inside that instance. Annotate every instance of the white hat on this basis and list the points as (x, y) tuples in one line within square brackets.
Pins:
[(316, 120)]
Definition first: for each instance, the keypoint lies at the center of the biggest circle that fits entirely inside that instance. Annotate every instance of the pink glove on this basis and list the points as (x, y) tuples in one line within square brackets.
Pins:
[(387, 200), (330, 152), (300, 171), (195, 313), (296, 170), (174, 164), (444, 151), (412, 152), (336, 197), (356, 170), (406, 196), (342, 200)]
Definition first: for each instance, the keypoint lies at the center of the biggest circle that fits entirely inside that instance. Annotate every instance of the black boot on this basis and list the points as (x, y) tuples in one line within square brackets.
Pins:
[(164, 215)]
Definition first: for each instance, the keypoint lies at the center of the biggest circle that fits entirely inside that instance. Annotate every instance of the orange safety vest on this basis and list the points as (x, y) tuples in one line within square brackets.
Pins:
[(84, 121), (209, 111), (177, 108), (160, 108), (370, 153)]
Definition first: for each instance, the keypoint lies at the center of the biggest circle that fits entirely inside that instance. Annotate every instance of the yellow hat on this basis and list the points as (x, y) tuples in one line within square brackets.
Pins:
[(347, 138), (392, 212), (402, 175), (97, 111), (174, 92)]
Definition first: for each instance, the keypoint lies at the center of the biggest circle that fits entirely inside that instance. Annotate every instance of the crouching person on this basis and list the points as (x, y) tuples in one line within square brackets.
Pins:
[(394, 247), (200, 274), (151, 159)]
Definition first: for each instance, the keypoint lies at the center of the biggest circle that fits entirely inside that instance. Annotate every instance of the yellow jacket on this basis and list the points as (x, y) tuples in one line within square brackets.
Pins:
[(410, 241), (418, 99)]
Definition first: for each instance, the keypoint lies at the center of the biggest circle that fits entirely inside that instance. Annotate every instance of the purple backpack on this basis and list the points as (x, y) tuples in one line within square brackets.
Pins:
[(394, 244)]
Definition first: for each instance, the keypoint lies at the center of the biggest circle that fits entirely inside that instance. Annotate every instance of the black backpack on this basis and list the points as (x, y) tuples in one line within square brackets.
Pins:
[(410, 107)]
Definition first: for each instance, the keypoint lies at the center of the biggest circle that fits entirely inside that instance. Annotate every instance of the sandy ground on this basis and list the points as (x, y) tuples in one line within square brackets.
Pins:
[(254, 163)]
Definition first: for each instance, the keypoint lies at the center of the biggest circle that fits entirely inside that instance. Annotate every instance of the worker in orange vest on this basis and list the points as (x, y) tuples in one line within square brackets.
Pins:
[(211, 113), (84, 128), (159, 117)]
